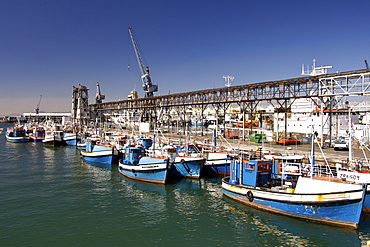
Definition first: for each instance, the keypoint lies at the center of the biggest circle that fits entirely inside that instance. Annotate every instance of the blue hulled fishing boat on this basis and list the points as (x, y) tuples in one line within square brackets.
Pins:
[(16, 134), (99, 153), (218, 163), (36, 134), (137, 165), (54, 138), (327, 202), (184, 163), (71, 139)]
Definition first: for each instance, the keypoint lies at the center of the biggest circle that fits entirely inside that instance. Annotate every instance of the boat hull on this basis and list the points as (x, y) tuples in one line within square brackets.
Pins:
[(148, 170), (218, 163), (71, 139), (217, 169), (358, 178), (37, 139), (105, 156), (188, 167), (18, 139), (53, 141), (337, 208)]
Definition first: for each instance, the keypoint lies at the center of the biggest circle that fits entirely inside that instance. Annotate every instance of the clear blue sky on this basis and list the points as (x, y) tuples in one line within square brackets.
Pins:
[(48, 46)]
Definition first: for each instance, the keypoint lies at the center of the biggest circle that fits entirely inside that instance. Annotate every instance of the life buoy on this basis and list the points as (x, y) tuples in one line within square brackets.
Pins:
[(250, 196), (182, 161)]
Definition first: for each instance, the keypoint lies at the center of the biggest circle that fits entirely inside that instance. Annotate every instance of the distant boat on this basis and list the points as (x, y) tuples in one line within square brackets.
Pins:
[(137, 165), (1, 130), (16, 134), (315, 200)]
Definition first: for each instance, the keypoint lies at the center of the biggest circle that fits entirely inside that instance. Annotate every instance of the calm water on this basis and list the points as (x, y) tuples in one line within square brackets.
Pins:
[(50, 197)]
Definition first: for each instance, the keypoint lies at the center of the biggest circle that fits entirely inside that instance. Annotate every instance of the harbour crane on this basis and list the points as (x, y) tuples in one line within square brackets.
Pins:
[(148, 87), (38, 106), (99, 97)]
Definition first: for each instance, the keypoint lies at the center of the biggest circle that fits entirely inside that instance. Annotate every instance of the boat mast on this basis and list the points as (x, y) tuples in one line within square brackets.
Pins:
[(313, 152)]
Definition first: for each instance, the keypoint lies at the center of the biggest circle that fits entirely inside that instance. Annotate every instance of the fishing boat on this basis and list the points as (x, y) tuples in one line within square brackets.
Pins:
[(146, 142), (137, 165), (81, 145), (218, 163), (288, 189), (315, 200), (54, 138), (99, 153), (36, 134), (184, 163), (218, 160), (71, 139), (16, 134)]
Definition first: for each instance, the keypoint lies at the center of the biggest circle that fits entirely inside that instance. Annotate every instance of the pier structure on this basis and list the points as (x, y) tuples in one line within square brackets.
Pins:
[(327, 92), (80, 113)]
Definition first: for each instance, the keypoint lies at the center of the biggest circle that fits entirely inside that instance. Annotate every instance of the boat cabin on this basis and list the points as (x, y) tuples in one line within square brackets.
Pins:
[(133, 155), (282, 170), (254, 173), (287, 169), (146, 142)]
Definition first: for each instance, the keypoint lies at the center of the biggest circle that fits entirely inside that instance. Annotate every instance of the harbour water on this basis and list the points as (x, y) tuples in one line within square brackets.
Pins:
[(50, 197)]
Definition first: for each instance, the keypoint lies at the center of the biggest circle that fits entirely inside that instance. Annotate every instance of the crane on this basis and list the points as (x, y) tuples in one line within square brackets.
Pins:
[(148, 87), (99, 97), (38, 106), (367, 66)]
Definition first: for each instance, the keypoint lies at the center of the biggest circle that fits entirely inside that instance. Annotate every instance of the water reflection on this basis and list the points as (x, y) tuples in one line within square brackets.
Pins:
[(147, 201), (108, 167), (286, 231)]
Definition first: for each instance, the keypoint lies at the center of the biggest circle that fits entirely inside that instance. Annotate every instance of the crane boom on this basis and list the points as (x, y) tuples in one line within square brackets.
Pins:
[(99, 97), (148, 87), (38, 106)]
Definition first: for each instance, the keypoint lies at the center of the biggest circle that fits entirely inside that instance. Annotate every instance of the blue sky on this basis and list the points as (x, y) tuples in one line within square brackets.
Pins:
[(48, 46)]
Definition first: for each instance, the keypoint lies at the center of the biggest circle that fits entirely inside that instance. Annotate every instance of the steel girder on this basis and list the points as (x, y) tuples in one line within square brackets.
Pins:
[(351, 83)]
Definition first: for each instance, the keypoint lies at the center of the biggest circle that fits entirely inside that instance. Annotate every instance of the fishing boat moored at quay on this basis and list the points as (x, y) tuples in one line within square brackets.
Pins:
[(16, 134), (71, 139), (138, 166), (99, 153), (53, 138), (315, 200)]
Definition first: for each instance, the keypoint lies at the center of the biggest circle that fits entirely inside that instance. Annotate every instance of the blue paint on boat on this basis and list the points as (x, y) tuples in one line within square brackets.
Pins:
[(146, 142), (188, 167), (71, 139), (310, 199), (17, 134), (99, 153), (137, 166)]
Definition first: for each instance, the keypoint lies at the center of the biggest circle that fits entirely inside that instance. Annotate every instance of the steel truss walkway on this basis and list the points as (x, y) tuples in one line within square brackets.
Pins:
[(322, 87)]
